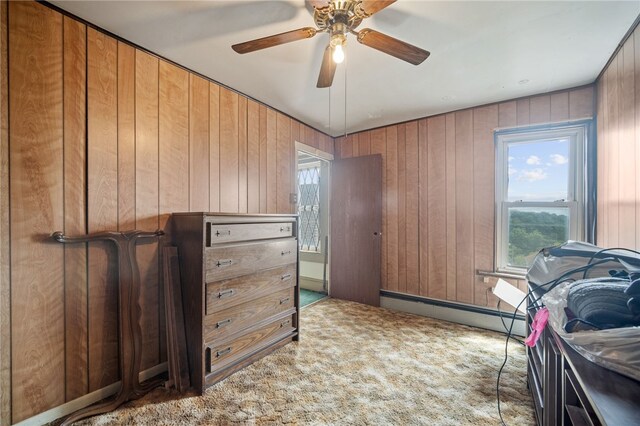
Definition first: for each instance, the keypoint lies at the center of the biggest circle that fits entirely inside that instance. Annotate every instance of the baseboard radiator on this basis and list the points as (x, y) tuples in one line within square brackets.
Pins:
[(461, 313)]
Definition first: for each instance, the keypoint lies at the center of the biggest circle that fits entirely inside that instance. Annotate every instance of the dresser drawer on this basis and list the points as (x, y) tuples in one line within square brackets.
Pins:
[(224, 294), (224, 323), (222, 354), (222, 233), (247, 258)]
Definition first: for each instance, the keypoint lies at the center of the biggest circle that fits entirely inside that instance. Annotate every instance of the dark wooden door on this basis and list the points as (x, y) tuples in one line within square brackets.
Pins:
[(356, 229)]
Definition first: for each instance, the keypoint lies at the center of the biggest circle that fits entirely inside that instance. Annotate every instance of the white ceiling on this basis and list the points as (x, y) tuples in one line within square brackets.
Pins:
[(481, 52)]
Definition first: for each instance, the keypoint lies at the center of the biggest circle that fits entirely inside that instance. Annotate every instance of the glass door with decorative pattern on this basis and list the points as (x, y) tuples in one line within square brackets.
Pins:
[(312, 207)]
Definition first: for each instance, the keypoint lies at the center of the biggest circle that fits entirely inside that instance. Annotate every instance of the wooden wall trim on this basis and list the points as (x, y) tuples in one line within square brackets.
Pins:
[(5, 267)]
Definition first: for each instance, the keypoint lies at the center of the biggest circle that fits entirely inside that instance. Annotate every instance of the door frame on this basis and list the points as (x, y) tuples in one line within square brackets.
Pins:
[(328, 157)]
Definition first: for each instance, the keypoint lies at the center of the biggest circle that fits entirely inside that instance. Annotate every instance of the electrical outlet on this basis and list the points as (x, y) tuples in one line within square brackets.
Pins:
[(293, 198)]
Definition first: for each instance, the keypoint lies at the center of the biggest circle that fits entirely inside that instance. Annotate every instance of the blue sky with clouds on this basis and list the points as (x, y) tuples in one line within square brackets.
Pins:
[(538, 171)]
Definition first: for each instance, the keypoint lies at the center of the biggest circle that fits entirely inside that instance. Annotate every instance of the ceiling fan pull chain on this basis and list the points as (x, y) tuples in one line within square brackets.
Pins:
[(329, 109), (345, 100)]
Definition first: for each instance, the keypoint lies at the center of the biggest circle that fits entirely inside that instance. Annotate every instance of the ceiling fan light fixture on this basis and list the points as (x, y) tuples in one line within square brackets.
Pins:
[(337, 42), (338, 54)]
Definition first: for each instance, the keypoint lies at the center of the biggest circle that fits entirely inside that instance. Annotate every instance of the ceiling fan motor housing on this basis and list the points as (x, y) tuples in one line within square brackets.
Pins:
[(339, 17)]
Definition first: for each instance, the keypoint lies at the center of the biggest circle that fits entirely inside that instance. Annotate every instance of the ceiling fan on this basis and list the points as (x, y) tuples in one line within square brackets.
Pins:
[(338, 18)]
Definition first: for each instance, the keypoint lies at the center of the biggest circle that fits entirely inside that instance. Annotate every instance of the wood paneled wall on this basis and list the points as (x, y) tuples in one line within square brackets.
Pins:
[(618, 108), (439, 180), (105, 136)]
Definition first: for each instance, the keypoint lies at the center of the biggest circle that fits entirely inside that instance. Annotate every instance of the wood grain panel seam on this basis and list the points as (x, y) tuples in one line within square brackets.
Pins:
[(86, 195), (446, 203), (606, 161), (474, 197), (243, 151), (473, 211), (624, 150), (64, 215), (188, 142), (218, 142), (636, 41), (5, 228), (74, 206), (135, 141), (208, 144), (159, 289), (426, 195), (158, 127)]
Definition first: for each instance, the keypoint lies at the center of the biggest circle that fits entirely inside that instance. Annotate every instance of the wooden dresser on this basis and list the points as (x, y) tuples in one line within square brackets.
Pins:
[(568, 389), (240, 291)]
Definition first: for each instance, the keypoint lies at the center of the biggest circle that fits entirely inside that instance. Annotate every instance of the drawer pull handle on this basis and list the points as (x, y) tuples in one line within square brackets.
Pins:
[(285, 277), (224, 322), (223, 352), (285, 300), (226, 293), (224, 262), (285, 323), (286, 252), (223, 232), (285, 229)]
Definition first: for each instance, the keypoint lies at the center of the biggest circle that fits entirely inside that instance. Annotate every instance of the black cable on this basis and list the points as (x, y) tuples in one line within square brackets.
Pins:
[(594, 255), (562, 277), (552, 285), (506, 356), (486, 296), (504, 324)]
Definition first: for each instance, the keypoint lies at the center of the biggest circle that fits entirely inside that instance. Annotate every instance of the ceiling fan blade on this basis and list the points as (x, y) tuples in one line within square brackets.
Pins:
[(274, 40), (318, 4), (373, 6), (327, 70), (392, 46)]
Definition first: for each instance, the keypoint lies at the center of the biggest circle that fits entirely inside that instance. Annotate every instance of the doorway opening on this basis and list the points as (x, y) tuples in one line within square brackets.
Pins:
[(313, 236)]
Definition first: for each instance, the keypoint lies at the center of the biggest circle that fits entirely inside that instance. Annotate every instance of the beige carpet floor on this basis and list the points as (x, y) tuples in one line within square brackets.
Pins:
[(357, 365)]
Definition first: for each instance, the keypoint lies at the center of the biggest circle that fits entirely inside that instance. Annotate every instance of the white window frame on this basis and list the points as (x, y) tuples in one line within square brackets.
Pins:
[(577, 135)]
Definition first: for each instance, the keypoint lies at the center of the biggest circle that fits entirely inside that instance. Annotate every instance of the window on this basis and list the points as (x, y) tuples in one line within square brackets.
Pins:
[(539, 192), (309, 206)]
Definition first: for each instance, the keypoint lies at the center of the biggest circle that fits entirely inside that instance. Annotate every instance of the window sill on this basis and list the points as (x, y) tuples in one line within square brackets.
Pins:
[(499, 274)]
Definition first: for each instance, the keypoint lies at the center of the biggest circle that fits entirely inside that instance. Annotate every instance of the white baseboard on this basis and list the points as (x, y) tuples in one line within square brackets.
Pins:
[(459, 314), (86, 400), (311, 284)]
